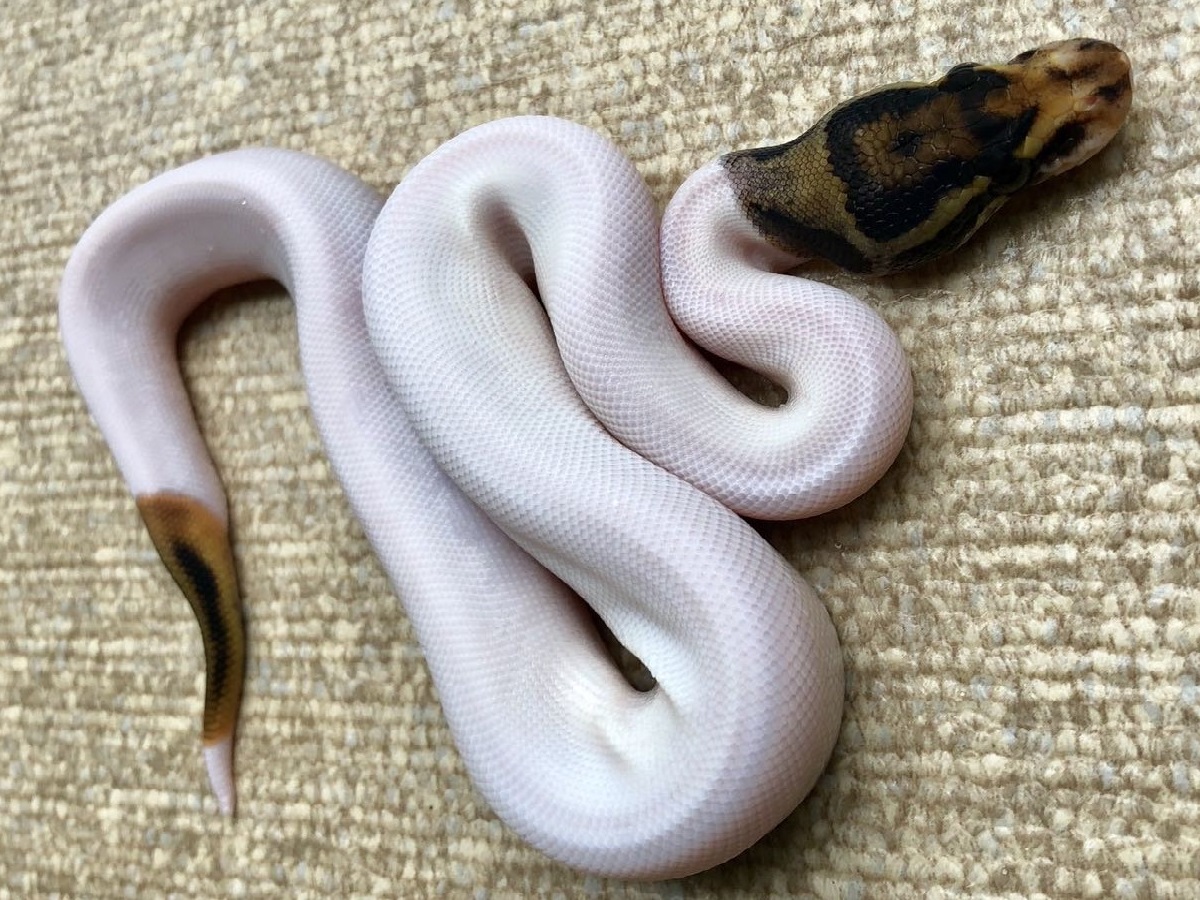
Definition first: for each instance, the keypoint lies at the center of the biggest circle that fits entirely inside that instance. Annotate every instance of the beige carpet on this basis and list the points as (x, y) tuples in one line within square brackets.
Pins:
[(1018, 600)]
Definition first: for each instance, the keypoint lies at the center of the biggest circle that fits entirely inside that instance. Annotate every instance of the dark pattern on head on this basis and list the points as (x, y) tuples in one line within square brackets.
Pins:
[(902, 174), (901, 152)]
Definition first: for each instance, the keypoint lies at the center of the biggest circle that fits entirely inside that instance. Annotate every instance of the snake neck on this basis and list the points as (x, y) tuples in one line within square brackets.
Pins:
[(706, 227)]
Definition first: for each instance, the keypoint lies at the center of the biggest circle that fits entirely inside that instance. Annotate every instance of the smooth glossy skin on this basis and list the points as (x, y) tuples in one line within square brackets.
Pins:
[(481, 452), (505, 450)]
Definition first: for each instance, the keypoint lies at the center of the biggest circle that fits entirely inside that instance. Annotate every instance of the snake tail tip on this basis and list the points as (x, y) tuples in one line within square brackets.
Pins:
[(218, 758), (194, 544)]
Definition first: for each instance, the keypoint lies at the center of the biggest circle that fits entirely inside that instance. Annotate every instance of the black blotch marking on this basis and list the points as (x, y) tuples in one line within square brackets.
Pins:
[(206, 599), (1013, 176), (999, 136), (765, 154), (1063, 141), (805, 239), (884, 214), (1057, 73), (950, 237), (906, 143), (198, 572), (960, 77), (1115, 91), (1022, 57), (1089, 44), (1085, 73)]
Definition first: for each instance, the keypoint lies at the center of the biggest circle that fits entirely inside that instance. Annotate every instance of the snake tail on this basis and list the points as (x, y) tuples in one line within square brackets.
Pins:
[(194, 544)]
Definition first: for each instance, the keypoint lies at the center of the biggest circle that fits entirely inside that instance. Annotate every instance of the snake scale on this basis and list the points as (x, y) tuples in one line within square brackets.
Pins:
[(519, 422)]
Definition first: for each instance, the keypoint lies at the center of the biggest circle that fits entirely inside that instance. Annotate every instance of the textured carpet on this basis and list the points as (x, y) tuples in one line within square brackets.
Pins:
[(1018, 600)]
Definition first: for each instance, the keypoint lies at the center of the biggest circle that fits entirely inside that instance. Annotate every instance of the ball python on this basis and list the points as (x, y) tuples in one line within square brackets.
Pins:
[(519, 422)]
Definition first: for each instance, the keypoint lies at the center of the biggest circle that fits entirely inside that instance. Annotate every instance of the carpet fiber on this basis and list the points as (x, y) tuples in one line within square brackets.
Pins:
[(1018, 600)]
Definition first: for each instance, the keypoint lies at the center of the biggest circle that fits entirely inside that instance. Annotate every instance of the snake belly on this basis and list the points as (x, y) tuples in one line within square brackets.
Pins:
[(529, 441)]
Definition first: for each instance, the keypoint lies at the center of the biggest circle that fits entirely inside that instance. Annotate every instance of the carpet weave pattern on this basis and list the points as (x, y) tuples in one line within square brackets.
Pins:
[(1018, 600)]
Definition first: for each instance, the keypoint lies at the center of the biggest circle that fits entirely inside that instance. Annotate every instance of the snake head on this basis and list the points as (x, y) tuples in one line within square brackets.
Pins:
[(1083, 89), (900, 175)]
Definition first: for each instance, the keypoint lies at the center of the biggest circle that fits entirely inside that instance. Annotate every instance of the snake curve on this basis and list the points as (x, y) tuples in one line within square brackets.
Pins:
[(518, 422)]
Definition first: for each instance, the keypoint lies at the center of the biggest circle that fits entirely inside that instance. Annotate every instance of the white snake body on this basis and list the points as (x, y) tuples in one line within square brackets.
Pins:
[(508, 456), (466, 430)]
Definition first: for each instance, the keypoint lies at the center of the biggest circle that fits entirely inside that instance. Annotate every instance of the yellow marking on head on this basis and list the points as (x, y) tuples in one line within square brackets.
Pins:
[(899, 175), (1083, 89), (194, 545)]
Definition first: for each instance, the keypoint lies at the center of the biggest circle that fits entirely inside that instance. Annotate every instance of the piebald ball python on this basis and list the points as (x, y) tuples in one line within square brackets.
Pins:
[(462, 346)]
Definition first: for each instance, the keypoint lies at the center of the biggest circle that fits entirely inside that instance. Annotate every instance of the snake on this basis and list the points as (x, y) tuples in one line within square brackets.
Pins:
[(514, 366)]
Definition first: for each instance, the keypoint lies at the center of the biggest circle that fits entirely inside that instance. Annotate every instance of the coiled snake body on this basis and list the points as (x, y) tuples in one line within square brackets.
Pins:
[(463, 418)]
